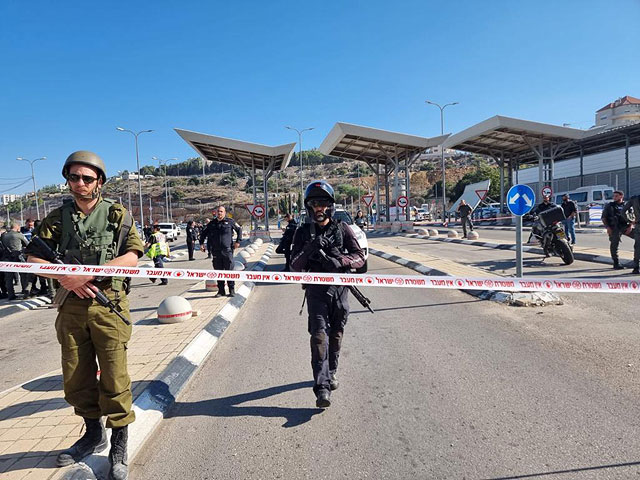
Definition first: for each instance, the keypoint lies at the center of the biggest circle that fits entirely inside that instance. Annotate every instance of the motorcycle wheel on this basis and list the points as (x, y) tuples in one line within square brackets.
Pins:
[(564, 251)]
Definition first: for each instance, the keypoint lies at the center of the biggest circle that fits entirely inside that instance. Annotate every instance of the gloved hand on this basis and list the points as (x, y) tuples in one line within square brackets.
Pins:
[(320, 242), (331, 264)]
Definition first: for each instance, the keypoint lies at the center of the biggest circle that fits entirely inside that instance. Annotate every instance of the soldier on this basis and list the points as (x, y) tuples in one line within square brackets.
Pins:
[(94, 231), (14, 243), (219, 235), (325, 245), (617, 225), (633, 206)]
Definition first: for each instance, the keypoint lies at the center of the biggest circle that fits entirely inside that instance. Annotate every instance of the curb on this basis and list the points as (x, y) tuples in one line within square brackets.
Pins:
[(527, 299), (153, 402), (585, 257)]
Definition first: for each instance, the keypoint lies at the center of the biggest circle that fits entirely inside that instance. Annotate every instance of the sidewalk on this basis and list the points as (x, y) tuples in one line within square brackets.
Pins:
[(36, 423), (587, 254)]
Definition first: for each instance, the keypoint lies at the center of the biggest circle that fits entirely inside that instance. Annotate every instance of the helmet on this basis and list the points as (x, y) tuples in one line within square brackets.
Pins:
[(85, 158), (319, 189)]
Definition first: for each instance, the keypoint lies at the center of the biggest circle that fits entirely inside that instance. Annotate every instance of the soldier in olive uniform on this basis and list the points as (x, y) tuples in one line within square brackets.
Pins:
[(94, 231)]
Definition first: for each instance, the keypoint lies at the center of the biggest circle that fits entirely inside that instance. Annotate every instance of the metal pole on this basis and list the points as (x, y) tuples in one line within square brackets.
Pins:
[(519, 246), (139, 184), (33, 178), (300, 132)]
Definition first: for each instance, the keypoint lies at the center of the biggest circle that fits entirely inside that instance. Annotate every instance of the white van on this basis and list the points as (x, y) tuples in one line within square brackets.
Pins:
[(588, 196)]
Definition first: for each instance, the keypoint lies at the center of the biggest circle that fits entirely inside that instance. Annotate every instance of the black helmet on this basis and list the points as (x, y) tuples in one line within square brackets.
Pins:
[(319, 189)]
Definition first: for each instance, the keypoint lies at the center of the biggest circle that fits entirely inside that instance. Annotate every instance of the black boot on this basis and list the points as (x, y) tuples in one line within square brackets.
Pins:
[(333, 382), (118, 454), (220, 293), (616, 265), (323, 398), (636, 270), (94, 440), (232, 292)]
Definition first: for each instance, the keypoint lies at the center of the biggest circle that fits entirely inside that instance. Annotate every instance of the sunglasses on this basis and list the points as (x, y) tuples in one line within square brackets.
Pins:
[(320, 203), (86, 179)]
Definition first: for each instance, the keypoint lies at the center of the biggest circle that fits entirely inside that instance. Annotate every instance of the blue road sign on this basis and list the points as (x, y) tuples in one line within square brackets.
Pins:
[(520, 199)]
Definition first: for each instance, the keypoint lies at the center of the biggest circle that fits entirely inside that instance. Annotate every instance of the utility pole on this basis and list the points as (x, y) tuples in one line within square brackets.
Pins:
[(300, 132), (135, 135), (33, 177)]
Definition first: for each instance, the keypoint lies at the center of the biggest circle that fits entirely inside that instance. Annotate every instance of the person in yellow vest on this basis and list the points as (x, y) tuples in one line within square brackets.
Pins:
[(158, 250), (92, 230)]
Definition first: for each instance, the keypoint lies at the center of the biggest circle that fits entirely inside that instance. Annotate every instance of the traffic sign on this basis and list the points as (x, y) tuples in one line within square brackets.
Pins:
[(546, 191), (258, 211), (482, 193), (402, 201), (367, 199), (520, 199)]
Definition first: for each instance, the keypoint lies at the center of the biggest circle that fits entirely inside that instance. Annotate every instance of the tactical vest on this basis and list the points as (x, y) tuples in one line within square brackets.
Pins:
[(333, 232), (92, 240)]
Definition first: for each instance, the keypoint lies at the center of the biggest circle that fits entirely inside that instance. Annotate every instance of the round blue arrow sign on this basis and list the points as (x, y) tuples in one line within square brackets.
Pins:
[(520, 199)]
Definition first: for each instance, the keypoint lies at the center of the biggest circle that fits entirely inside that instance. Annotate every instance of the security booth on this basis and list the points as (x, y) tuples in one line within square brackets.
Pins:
[(387, 154), (259, 161)]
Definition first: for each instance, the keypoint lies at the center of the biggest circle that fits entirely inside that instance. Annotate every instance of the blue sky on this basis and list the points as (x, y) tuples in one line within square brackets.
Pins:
[(74, 70)]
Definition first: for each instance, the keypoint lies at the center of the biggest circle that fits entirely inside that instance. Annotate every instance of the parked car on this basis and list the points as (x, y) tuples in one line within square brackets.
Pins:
[(170, 231)]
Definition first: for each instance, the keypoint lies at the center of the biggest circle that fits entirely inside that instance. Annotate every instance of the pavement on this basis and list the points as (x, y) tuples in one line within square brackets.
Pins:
[(36, 423), (587, 254)]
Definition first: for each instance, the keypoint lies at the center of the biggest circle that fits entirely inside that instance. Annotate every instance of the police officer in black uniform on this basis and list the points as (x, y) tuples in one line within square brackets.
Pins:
[(325, 245), (633, 206), (219, 235), (284, 246), (192, 237), (617, 225)]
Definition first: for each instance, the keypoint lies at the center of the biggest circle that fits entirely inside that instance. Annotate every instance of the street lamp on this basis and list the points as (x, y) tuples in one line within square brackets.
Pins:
[(135, 135), (300, 132), (444, 201), (166, 183), (33, 177)]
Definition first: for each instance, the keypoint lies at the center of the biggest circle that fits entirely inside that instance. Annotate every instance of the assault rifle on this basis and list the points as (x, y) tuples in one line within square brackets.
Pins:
[(359, 296), (45, 252)]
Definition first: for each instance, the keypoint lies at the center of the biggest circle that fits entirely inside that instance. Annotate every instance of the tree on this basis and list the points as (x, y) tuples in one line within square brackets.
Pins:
[(483, 172)]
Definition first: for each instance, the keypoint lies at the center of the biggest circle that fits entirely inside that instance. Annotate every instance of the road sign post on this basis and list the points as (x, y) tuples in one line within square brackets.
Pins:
[(520, 200)]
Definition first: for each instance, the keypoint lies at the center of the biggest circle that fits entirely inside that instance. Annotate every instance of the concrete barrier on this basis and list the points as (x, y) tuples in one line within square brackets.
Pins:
[(433, 232), (452, 234), (244, 254), (211, 285), (422, 231), (473, 235), (406, 226), (396, 227), (174, 309)]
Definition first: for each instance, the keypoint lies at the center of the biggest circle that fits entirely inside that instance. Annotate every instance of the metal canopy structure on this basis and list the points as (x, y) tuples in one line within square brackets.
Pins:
[(383, 151), (514, 142), (251, 157)]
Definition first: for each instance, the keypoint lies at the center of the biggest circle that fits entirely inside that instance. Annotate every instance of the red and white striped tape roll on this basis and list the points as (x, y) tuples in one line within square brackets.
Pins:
[(509, 284)]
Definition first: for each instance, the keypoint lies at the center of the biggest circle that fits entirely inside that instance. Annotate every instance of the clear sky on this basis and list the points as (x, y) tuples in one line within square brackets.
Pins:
[(74, 70)]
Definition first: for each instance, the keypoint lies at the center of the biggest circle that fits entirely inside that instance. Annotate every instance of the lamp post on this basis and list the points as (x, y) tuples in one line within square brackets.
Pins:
[(166, 183), (135, 135), (300, 132), (199, 206), (33, 177), (444, 199)]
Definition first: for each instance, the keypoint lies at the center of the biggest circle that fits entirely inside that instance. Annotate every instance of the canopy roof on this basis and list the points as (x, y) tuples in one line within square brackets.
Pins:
[(237, 152), (371, 145), (514, 138)]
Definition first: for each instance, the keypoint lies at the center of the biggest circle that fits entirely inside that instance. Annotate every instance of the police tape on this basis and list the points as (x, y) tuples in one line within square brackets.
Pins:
[(507, 284)]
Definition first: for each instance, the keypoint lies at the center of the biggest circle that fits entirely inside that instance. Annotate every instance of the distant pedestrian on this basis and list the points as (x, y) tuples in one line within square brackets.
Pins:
[(15, 242), (360, 220), (634, 204), (617, 225), (570, 213), (284, 247), (219, 236), (158, 250), (465, 211), (192, 237)]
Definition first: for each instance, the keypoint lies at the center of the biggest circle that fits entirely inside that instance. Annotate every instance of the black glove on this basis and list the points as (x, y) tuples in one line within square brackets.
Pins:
[(331, 264), (320, 242)]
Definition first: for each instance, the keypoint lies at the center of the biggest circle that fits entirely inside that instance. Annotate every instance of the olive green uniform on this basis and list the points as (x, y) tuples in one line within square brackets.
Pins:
[(84, 328)]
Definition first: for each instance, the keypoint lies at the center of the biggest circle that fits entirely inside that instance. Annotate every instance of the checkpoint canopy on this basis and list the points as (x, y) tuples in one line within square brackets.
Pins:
[(385, 153), (252, 157)]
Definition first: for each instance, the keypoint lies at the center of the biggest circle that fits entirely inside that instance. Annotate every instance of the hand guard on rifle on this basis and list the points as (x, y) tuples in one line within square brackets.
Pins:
[(331, 264)]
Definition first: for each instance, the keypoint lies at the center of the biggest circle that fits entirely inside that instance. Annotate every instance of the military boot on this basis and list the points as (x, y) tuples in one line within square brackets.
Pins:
[(323, 398), (333, 382), (220, 293), (94, 440), (118, 454), (232, 292), (616, 265)]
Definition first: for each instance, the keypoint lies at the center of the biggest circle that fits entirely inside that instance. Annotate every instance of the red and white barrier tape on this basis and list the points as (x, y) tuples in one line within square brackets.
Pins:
[(614, 285)]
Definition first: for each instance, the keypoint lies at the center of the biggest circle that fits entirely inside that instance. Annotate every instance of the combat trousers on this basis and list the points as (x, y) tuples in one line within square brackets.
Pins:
[(223, 260), (190, 248), (614, 243), (85, 331), (636, 246), (466, 221), (327, 319)]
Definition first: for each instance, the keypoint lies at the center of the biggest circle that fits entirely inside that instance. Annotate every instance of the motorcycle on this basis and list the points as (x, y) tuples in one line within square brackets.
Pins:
[(548, 230)]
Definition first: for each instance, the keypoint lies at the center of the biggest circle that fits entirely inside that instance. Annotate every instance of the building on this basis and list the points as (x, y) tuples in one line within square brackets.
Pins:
[(624, 111), (8, 198)]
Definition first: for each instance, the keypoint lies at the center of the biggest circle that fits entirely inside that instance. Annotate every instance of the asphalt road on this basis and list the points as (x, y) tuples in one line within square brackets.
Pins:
[(435, 385), (28, 345)]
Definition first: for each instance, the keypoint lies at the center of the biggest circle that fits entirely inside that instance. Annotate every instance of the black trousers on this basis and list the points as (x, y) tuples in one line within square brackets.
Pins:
[(190, 247), (223, 260), (636, 246), (327, 318), (614, 243)]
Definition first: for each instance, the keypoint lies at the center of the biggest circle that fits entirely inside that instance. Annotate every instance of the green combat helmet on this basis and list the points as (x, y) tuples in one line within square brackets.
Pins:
[(85, 157)]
